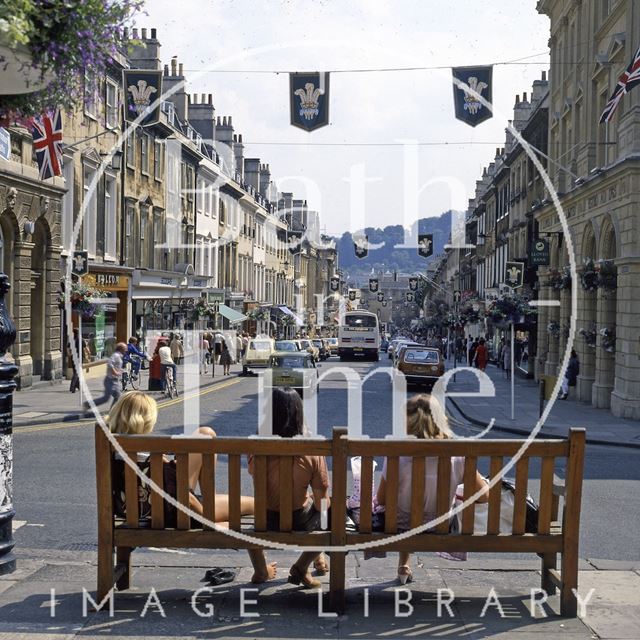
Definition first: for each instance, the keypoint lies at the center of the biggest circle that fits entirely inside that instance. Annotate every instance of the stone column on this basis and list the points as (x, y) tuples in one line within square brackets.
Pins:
[(625, 399), (586, 354), (605, 362), (22, 311), (542, 321)]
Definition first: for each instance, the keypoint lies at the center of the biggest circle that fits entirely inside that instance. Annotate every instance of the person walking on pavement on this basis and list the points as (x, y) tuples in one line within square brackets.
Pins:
[(204, 354), (571, 374), (481, 355), (177, 350), (225, 359), (239, 353), (113, 378), (472, 352), (506, 359)]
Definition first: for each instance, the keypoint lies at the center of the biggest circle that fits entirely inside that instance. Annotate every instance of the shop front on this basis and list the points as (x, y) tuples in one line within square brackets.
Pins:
[(108, 324)]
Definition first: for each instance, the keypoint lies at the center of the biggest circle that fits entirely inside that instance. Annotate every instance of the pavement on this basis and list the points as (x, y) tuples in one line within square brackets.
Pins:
[(51, 402), (162, 601), (601, 426)]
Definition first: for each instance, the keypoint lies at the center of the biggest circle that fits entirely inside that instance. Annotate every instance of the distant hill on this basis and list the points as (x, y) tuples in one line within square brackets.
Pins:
[(388, 258)]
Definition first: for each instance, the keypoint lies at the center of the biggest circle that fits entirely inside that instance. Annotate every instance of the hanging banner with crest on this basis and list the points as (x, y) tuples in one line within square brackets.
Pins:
[(413, 284), (361, 246), (373, 285), (309, 100), (425, 244), (142, 89), (335, 283), (468, 108)]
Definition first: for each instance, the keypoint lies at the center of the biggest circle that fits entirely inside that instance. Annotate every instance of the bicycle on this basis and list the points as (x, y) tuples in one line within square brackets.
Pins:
[(129, 377), (170, 386)]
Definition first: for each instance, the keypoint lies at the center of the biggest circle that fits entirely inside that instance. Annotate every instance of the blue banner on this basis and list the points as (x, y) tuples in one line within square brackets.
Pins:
[(468, 108), (309, 100), (141, 90)]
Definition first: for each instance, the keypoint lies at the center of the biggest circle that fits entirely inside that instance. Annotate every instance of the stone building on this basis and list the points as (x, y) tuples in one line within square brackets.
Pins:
[(30, 212), (592, 43)]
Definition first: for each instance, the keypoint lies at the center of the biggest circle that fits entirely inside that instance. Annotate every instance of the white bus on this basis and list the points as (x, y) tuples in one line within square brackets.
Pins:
[(358, 335)]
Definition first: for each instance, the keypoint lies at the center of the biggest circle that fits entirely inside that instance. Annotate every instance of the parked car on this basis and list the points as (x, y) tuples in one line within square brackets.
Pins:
[(323, 352), (257, 354), (295, 370), (420, 365)]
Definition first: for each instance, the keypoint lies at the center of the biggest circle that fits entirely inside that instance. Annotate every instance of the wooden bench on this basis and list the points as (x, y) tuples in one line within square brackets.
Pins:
[(554, 536)]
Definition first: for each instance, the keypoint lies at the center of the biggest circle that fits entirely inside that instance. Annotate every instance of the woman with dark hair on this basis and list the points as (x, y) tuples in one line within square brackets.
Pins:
[(308, 472)]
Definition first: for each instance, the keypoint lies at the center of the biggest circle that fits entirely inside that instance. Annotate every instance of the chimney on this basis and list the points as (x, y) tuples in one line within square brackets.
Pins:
[(539, 89), (202, 117), (265, 180), (252, 169), (224, 139), (544, 76), (238, 152), (146, 54), (521, 112), (180, 98)]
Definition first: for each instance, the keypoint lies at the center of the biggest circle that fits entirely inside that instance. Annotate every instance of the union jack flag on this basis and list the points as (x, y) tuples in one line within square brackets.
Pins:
[(627, 81), (47, 143)]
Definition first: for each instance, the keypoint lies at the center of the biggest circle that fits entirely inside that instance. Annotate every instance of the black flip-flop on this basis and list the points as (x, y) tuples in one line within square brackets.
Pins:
[(222, 578), (210, 573)]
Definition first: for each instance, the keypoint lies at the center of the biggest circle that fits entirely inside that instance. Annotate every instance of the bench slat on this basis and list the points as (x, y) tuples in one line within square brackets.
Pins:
[(157, 502), (391, 496), (260, 492), (182, 482), (546, 495), (468, 514), (495, 496), (443, 499), (519, 500), (208, 487), (234, 492), (131, 495), (286, 487), (417, 491), (366, 484)]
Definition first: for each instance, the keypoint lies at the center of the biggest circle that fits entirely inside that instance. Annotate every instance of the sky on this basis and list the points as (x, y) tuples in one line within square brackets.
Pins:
[(359, 171)]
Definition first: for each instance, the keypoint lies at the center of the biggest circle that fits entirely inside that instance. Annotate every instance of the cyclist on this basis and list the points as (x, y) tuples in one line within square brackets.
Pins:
[(166, 361), (134, 355)]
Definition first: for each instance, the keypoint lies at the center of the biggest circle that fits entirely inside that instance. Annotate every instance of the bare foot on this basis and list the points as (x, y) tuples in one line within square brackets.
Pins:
[(259, 577)]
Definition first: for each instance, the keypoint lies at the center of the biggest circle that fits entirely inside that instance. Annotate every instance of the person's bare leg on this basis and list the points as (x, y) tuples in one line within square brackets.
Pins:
[(404, 570), (261, 570), (195, 459), (299, 572)]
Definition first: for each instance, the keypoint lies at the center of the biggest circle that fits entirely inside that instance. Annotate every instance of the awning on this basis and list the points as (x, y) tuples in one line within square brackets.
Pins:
[(288, 311), (230, 314)]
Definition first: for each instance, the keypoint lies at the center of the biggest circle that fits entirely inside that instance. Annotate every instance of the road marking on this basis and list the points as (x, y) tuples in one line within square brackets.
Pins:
[(90, 421), (17, 524)]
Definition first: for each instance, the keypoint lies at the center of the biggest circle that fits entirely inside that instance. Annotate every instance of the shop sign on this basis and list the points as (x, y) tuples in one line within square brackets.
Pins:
[(539, 254), (107, 279), (215, 296)]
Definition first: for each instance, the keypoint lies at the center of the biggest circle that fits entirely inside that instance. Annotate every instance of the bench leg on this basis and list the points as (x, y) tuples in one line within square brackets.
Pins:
[(123, 561), (568, 600), (106, 572), (549, 561), (337, 582)]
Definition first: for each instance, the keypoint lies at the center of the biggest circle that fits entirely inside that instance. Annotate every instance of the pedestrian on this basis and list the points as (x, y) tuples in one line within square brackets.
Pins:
[(113, 378), (225, 359), (472, 352), (75, 378), (238, 348), (481, 355), (204, 354), (506, 359), (166, 361), (570, 375), (469, 346), (245, 343), (177, 350)]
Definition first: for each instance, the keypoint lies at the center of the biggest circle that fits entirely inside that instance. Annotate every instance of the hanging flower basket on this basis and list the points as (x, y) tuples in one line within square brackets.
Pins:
[(607, 277), (589, 275), (553, 328), (608, 339), (589, 336), (259, 315), (200, 310), (83, 297), (287, 321), (554, 280), (48, 44), (565, 278)]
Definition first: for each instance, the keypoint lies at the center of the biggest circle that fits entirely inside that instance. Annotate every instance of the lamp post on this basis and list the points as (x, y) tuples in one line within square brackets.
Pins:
[(7, 387)]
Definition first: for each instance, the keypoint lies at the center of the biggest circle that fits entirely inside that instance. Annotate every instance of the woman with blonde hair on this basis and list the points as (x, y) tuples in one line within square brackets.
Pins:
[(426, 420), (136, 413)]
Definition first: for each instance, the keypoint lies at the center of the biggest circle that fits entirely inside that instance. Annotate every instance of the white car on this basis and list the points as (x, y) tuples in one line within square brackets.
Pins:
[(257, 355)]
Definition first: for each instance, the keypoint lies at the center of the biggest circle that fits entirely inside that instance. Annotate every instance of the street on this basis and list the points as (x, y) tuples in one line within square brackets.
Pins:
[(55, 479)]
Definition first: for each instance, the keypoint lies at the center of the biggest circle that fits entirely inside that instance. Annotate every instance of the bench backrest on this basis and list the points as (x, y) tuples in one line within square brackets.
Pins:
[(338, 450)]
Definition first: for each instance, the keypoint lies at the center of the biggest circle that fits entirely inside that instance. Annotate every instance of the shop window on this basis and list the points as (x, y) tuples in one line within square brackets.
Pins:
[(110, 222), (144, 154), (111, 104), (89, 222), (157, 160)]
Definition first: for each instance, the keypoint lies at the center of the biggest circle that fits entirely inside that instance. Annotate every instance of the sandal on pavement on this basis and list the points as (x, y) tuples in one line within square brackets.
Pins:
[(404, 574), (297, 577), (219, 576), (321, 565)]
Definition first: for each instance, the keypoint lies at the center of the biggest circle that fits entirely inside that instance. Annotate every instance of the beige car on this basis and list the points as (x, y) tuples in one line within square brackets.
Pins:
[(308, 346), (419, 364)]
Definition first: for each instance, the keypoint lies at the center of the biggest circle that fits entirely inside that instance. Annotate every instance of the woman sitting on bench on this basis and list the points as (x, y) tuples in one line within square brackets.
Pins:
[(425, 420), (308, 471), (135, 413)]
